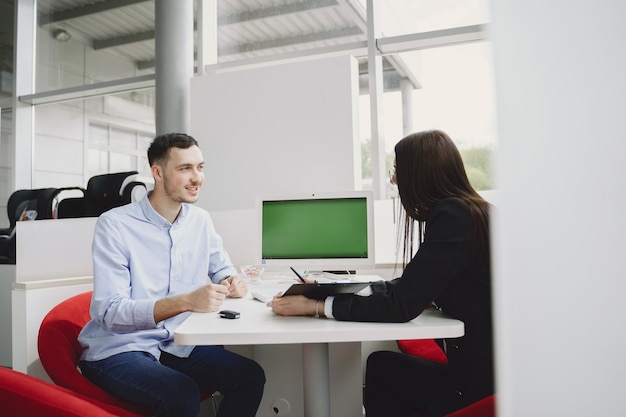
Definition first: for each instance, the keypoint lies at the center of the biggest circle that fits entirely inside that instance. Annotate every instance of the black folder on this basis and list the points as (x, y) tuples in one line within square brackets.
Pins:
[(321, 290)]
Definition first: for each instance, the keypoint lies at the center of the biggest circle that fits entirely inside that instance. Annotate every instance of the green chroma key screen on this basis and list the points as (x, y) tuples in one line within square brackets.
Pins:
[(315, 228)]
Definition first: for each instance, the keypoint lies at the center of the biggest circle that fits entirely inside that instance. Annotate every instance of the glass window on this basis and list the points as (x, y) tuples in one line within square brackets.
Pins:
[(92, 42), (85, 42), (115, 149), (7, 33), (455, 94), (120, 162), (123, 139), (97, 162), (98, 136), (78, 139), (6, 163)]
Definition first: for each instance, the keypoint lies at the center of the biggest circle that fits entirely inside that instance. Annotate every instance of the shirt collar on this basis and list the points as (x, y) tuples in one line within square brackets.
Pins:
[(155, 218)]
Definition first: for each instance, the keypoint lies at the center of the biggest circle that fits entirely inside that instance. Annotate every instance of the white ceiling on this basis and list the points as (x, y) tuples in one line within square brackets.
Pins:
[(246, 28)]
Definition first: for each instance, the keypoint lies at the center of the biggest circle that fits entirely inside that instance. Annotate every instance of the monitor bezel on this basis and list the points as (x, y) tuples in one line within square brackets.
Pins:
[(319, 264)]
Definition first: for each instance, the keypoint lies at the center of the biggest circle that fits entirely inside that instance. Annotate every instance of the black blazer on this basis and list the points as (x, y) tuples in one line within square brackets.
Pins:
[(444, 271)]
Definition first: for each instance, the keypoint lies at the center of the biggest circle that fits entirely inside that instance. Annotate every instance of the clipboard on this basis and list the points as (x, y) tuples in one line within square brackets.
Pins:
[(321, 290)]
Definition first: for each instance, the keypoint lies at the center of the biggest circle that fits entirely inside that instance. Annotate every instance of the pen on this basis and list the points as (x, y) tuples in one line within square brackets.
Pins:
[(299, 276)]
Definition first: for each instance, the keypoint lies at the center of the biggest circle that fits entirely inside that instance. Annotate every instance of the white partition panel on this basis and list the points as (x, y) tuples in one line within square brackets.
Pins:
[(283, 128), (559, 229), (7, 279), (53, 263), (240, 234), (51, 249)]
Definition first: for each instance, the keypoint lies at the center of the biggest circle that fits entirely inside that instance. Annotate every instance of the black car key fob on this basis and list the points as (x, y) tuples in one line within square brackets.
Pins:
[(229, 314)]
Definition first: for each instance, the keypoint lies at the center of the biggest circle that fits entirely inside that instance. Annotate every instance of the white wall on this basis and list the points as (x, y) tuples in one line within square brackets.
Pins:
[(559, 228)]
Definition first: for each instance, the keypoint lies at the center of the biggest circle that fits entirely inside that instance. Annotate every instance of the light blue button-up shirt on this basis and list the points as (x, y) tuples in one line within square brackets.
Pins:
[(138, 258)]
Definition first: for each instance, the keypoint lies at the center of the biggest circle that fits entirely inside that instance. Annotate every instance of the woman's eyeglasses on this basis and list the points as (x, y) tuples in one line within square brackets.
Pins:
[(392, 175)]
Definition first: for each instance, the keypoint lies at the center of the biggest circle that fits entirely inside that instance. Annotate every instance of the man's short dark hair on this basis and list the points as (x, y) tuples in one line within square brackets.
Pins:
[(159, 149)]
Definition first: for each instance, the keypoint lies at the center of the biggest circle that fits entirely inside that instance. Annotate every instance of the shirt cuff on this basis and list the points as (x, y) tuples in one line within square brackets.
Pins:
[(219, 276), (328, 307), (145, 314)]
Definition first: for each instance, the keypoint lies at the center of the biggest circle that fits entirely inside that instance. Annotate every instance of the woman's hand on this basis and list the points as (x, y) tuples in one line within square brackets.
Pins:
[(294, 305)]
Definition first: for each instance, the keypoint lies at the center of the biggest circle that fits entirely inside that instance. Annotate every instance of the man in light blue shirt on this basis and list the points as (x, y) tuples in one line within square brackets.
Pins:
[(154, 262)]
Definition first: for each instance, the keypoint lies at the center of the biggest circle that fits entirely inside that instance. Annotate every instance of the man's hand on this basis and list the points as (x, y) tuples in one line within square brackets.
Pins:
[(208, 298), (237, 287), (205, 299)]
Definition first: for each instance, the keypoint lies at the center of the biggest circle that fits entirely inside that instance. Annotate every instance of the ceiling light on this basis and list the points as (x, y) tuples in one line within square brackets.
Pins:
[(61, 35)]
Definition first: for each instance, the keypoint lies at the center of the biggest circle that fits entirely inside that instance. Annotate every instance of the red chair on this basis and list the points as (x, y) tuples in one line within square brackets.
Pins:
[(423, 348), (59, 352), (430, 350), (25, 395), (481, 408)]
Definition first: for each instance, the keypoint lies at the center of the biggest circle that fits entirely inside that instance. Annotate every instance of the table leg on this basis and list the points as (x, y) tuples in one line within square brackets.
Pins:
[(315, 380)]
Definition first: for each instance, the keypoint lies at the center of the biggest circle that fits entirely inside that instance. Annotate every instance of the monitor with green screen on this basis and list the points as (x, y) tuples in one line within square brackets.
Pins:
[(317, 231)]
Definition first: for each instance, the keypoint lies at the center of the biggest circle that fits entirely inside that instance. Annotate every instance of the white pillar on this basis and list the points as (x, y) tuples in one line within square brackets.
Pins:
[(23, 84), (406, 90), (375, 74), (207, 34), (174, 64)]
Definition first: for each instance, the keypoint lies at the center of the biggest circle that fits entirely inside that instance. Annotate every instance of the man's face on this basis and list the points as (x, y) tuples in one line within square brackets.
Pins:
[(183, 174)]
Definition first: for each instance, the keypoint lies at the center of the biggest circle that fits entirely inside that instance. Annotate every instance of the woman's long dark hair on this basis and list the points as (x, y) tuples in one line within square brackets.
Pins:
[(429, 169)]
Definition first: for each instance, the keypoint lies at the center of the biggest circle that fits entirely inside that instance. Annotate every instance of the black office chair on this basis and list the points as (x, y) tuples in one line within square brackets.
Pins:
[(34, 204), (103, 192)]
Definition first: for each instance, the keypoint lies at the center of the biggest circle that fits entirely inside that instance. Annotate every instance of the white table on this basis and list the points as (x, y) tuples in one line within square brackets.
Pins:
[(258, 325)]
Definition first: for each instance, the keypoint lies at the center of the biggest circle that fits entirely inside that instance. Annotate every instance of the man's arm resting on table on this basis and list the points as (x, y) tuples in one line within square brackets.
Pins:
[(205, 299)]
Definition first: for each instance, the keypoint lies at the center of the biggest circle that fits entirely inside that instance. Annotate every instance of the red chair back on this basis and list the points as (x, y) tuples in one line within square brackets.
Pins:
[(25, 395), (59, 352)]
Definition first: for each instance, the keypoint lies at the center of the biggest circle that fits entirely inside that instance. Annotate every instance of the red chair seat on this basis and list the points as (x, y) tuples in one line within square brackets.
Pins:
[(481, 408), (430, 350), (423, 348)]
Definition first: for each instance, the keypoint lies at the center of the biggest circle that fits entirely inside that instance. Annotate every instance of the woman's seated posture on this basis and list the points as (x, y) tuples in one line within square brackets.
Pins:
[(449, 271)]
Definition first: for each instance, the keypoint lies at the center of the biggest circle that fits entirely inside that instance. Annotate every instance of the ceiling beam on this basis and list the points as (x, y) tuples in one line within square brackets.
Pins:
[(81, 11), (433, 39), (123, 40), (82, 92), (292, 40), (277, 43), (262, 13), (265, 12)]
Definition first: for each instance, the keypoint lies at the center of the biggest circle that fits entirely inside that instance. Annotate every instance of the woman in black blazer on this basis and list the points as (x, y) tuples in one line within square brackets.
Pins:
[(450, 271)]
